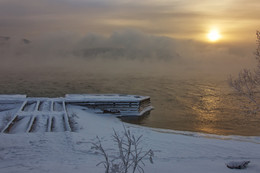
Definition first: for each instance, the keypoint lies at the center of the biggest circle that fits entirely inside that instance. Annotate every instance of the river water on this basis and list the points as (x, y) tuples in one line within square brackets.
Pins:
[(197, 104)]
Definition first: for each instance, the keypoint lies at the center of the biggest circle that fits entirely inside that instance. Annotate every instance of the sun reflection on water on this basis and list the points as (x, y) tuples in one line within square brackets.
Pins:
[(206, 109)]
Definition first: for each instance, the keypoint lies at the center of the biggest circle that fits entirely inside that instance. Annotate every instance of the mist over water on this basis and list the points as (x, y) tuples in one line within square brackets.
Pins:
[(198, 104), (185, 79)]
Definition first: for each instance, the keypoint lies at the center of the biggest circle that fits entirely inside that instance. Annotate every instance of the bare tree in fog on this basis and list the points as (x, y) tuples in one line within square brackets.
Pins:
[(247, 83)]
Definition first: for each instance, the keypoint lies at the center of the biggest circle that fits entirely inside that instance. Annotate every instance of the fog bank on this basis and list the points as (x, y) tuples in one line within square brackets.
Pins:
[(125, 51)]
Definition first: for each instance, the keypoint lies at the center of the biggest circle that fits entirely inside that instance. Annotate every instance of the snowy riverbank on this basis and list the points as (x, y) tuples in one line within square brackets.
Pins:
[(69, 152)]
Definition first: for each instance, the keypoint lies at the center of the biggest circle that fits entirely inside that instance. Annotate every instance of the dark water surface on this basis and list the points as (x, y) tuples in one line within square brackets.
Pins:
[(200, 104)]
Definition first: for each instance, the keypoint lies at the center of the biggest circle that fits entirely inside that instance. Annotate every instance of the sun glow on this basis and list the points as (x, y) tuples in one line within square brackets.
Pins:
[(214, 35)]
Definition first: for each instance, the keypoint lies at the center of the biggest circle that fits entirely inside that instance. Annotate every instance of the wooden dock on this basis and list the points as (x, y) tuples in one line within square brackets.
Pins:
[(50, 114), (122, 105)]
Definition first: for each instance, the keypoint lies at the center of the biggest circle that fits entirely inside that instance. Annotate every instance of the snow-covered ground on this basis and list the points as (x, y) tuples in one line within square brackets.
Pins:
[(69, 152)]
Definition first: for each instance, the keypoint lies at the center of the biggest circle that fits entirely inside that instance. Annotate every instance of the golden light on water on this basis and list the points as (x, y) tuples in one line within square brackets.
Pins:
[(206, 109), (214, 35)]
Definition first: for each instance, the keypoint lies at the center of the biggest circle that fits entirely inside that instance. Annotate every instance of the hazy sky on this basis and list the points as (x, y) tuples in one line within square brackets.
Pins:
[(236, 19), (133, 29)]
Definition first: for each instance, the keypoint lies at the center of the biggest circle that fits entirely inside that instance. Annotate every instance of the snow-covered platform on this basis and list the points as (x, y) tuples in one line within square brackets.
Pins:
[(123, 105), (32, 114)]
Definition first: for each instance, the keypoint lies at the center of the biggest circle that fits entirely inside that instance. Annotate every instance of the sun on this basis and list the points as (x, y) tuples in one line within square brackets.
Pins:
[(214, 35)]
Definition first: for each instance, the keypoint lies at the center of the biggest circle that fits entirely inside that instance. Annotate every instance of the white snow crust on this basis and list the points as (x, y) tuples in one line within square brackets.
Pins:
[(70, 152), (104, 97), (12, 97)]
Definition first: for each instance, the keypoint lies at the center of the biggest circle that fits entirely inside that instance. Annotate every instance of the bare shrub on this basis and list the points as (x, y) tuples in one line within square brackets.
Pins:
[(247, 84), (130, 154)]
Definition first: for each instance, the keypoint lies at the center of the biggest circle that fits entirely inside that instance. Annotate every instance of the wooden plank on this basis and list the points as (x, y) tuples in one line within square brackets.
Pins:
[(66, 118), (37, 105), (49, 123), (23, 105), (29, 129), (9, 123), (52, 105)]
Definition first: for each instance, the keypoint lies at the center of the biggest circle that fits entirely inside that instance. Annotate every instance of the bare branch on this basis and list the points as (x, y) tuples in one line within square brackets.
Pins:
[(98, 147), (247, 84), (130, 155)]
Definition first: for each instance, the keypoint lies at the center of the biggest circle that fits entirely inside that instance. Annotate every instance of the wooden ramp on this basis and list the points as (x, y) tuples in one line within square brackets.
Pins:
[(39, 115)]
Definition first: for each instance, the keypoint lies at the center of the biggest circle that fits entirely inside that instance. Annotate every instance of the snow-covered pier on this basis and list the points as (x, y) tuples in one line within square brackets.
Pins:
[(32, 114), (123, 105)]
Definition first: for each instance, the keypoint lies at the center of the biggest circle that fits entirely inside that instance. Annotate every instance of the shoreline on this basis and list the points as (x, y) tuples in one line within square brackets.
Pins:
[(71, 151)]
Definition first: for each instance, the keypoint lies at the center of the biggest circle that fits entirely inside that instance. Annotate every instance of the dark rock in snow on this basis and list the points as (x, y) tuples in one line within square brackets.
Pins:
[(238, 165)]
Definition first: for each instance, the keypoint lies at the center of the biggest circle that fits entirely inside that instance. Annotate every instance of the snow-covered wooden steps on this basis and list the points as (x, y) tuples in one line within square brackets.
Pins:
[(39, 115)]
